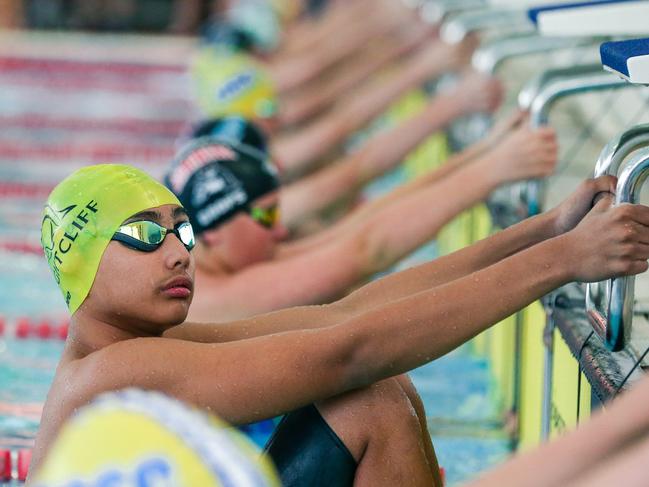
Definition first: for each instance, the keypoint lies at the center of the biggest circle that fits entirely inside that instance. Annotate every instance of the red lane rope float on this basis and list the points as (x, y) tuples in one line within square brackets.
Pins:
[(90, 152), (24, 459), (24, 190), (64, 84), (8, 63), (44, 328), (5, 465), (20, 458), (29, 410), (22, 247), (169, 128)]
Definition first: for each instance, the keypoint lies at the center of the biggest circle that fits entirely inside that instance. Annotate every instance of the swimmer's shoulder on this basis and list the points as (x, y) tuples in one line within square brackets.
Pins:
[(130, 363)]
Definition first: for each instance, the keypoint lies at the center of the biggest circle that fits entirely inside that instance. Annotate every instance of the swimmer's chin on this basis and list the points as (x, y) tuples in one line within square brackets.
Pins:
[(177, 311)]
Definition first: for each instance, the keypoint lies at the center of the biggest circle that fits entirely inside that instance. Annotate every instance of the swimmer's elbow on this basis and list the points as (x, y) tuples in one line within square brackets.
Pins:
[(350, 366), (372, 252)]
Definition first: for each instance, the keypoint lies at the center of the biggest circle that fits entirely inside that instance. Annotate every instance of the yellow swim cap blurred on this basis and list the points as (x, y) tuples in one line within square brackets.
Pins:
[(137, 438), (232, 84), (81, 215)]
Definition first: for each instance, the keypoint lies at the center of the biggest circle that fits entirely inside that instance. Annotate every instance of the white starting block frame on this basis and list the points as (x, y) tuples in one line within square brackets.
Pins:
[(612, 18)]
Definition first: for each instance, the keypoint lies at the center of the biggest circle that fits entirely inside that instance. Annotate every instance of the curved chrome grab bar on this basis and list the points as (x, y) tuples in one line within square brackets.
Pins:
[(434, 11), (457, 28), (617, 296), (619, 148), (609, 162), (540, 110), (489, 56), (534, 86)]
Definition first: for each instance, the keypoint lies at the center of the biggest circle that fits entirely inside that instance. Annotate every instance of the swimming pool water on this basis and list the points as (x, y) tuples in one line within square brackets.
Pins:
[(26, 371), (456, 396)]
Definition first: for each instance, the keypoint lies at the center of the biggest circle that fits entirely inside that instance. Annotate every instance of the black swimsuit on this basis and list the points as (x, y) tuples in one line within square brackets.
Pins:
[(307, 452)]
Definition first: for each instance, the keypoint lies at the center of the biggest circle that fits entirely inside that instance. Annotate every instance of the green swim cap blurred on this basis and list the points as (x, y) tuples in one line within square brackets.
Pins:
[(232, 84), (81, 215), (143, 438)]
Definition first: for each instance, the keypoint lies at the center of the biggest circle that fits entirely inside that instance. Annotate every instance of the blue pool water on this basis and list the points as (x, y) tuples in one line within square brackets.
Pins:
[(26, 371)]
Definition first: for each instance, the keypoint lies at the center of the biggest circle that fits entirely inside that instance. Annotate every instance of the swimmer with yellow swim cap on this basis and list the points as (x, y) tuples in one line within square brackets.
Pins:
[(80, 220), (119, 245), (144, 439), (232, 84)]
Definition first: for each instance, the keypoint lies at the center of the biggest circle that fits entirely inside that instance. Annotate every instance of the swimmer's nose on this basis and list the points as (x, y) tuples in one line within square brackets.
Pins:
[(175, 253), (280, 232)]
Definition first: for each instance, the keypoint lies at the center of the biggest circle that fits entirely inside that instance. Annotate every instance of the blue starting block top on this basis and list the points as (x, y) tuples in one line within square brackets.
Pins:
[(594, 18), (534, 13), (629, 59)]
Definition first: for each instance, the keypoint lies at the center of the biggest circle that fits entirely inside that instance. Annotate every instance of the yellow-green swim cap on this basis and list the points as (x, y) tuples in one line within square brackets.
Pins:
[(81, 215), (137, 438), (232, 84)]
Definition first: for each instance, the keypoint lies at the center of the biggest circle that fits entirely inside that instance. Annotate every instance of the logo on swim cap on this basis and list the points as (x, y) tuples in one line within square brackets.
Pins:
[(148, 472), (57, 244), (212, 181), (234, 86), (49, 225), (196, 160)]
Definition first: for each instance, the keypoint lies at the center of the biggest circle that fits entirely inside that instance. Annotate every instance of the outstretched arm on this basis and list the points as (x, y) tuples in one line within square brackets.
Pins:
[(402, 284), (292, 71), (521, 154), (484, 253), (300, 150), (321, 93), (307, 34), (385, 341), (314, 193)]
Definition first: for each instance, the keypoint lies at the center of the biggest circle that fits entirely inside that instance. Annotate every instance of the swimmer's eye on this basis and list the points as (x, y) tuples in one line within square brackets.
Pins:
[(266, 217), (147, 236)]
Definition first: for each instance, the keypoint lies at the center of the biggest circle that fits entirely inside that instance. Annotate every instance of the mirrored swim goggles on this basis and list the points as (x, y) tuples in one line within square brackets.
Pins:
[(147, 236), (266, 217)]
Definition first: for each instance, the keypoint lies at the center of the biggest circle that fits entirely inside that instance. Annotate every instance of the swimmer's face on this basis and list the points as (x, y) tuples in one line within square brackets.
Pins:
[(145, 291), (241, 241)]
